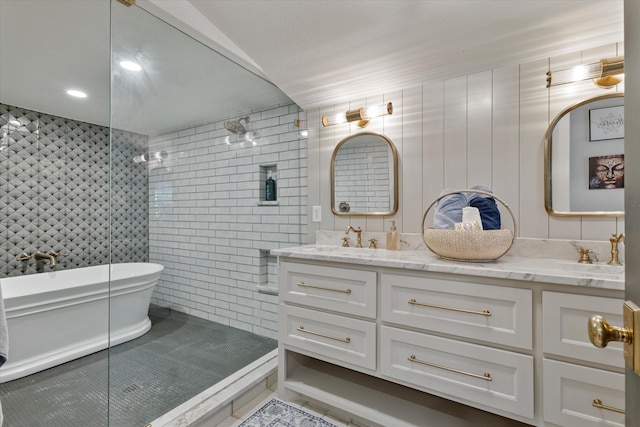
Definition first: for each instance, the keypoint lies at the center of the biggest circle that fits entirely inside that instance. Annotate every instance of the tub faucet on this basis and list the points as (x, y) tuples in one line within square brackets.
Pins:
[(51, 256), (358, 231)]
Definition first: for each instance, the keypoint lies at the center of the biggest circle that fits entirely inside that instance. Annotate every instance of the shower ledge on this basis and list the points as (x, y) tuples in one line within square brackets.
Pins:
[(216, 403)]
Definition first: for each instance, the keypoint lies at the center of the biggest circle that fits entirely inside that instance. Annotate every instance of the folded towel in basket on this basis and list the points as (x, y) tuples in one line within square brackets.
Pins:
[(449, 210), (489, 212)]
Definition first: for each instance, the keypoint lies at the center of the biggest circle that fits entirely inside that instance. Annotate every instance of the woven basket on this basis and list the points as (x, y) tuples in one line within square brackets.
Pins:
[(469, 245)]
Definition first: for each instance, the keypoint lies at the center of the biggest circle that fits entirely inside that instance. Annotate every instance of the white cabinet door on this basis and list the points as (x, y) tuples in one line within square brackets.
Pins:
[(571, 390), (343, 290), (494, 314), (564, 321), (476, 375), (337, 338)]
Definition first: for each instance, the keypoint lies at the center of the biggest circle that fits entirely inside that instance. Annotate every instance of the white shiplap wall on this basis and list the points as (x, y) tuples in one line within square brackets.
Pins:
[(484, 128)]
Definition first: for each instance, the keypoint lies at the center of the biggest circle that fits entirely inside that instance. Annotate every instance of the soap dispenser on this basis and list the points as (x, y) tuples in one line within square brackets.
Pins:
[(393, 238)]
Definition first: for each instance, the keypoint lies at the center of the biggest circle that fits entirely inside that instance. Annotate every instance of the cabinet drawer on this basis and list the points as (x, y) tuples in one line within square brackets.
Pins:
[(339, 338), (458, 370), (570, 391), (565, 318), (495, 314), (343, 290)]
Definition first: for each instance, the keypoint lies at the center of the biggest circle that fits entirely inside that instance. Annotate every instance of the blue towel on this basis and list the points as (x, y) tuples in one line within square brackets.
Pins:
[(449, 210), (489, 212)]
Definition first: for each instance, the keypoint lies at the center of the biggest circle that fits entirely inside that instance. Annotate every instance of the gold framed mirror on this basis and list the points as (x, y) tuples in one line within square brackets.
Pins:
[(584, 159), (364, 176)]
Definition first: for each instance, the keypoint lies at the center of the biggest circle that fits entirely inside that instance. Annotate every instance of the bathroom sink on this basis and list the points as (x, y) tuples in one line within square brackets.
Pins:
[(346, 251), (595, 269)]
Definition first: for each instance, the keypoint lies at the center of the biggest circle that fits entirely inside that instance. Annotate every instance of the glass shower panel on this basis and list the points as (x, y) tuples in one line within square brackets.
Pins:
[(186, 200), (54, 201)]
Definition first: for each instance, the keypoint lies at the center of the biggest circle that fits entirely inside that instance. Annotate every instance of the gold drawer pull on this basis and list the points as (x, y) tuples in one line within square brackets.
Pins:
[(345, 291), (485, 376), (442, 307), (302, 329), (598, 404)]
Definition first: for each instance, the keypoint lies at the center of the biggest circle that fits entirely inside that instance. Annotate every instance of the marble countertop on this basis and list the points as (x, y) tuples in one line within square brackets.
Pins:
[(514, 267)]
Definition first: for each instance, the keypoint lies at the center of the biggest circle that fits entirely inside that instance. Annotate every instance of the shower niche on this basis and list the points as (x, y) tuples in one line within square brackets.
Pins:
[(268, 178)]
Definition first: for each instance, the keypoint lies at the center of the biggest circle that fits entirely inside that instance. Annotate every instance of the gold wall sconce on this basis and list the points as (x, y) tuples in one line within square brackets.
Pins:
[(605, 74), (303, 132), (362, 116)]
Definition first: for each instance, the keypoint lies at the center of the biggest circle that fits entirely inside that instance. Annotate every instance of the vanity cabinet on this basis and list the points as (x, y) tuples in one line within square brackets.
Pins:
[(330, 312), (480, 374), (575, 392), (397, 346)]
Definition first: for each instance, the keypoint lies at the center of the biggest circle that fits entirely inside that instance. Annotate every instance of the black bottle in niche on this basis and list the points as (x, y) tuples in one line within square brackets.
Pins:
[(270, 187)]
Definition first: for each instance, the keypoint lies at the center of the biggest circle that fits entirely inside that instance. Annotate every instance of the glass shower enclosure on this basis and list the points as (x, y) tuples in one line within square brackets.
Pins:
[(142, 172)]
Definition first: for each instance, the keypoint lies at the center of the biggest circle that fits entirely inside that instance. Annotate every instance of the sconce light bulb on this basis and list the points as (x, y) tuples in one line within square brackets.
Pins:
[(335, 119)]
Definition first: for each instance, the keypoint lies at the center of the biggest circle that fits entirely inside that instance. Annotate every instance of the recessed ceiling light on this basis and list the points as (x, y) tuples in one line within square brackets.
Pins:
[(130, 65), (76, 93)]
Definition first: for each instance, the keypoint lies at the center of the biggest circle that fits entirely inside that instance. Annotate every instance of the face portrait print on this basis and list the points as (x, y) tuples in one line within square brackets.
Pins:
[(606, 172)]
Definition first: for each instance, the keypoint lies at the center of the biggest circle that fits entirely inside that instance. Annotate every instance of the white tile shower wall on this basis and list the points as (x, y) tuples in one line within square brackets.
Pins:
[(483, 128), (207, 228)]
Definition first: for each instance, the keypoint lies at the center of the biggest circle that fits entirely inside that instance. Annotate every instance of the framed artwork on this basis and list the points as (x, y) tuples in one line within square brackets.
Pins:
[(606, 123), (606, 172)]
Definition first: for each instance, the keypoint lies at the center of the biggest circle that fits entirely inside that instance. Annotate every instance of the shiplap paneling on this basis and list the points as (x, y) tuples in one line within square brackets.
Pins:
[(411, 159), (484, 128), (506, 150), (479, 130), (433, 142)]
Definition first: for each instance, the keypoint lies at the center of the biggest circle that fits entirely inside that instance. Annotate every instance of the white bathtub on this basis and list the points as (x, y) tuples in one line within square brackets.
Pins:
[(62, 315)]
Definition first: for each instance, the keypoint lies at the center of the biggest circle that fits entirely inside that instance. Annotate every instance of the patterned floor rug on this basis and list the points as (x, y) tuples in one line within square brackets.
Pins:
[(276, 413)]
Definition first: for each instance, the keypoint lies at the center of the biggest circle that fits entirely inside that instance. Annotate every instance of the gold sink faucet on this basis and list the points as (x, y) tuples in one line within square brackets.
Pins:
[(358, 231), (614, 248), (584, 256)]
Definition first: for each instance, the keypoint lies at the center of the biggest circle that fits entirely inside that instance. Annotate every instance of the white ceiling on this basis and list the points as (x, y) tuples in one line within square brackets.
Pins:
[(318, 52), (321, 52)]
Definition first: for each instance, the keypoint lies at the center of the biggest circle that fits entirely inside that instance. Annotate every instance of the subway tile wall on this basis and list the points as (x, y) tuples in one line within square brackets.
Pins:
[(210, 226), (55, 192)]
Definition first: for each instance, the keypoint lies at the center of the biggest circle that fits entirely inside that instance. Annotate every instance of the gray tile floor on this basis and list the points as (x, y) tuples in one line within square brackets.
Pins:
[(178, 358)]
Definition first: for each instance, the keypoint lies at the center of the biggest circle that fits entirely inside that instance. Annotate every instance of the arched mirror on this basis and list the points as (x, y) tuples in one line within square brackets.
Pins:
[(364, 176), (584, 159)]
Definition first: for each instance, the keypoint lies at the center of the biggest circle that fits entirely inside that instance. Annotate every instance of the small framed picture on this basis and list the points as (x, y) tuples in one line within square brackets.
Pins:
[(606, 123), (606, 172)]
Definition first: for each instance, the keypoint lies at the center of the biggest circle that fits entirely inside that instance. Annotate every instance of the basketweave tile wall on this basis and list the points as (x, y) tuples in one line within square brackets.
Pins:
[(54, 192), (208, 227)]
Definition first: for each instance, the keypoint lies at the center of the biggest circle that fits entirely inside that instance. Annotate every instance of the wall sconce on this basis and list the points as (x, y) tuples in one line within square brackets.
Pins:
[(153, 160), (302, 132), (605, 74), (362, 116)]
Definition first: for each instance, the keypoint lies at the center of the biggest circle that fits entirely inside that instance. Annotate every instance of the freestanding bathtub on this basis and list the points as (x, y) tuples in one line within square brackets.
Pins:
[(59, 316)]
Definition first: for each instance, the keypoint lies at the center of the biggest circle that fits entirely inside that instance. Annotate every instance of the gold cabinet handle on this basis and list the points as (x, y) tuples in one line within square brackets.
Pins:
[(598, 404), (442, 307), (344, 291), (485, 376), (302, 329)]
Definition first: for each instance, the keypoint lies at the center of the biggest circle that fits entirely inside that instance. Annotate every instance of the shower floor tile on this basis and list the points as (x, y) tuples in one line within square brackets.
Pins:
[(177, 359)]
